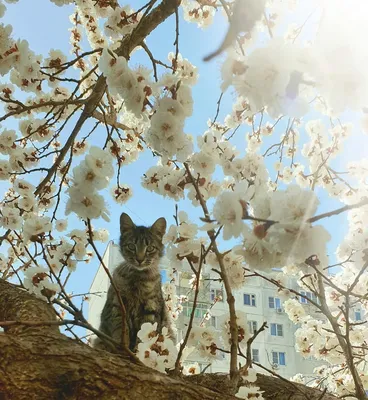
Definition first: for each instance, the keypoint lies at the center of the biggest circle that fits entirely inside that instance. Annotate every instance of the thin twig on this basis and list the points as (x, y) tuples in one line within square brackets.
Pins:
[(234, 373), (362, 203), (196, 293), (218, 108), (176, 43)]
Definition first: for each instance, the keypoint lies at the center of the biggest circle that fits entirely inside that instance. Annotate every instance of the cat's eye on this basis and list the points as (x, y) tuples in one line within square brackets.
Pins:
[(131, 246), (150, 249)]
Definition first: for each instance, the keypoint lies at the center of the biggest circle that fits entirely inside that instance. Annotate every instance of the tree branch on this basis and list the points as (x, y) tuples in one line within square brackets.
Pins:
[(362, 203), (18, 305), (43, 364), (234, 373)]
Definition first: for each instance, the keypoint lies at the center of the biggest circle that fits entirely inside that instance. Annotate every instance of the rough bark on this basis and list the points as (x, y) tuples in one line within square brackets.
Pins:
[(18, 305), (40, 363), (46, 367)]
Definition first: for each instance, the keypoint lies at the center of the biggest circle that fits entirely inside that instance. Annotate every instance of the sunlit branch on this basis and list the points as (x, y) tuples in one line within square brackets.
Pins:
[(218, 109), (22, 108), (359, 389), (362, 203), (234, 373), (190, 324), (250, 341), (176, 42)]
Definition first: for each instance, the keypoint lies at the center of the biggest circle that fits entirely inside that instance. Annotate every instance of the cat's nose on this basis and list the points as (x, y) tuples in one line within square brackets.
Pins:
[(139, 260)]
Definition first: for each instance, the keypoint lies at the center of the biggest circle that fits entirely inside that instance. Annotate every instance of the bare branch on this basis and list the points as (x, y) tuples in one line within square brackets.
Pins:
[(234, 373), (362, 203)]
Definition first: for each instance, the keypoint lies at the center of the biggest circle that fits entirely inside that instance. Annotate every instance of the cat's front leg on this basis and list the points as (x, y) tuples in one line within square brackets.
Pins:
[(151, 313), (116, 322)]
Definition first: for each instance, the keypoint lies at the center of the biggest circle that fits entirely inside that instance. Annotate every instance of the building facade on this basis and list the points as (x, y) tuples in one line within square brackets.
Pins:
[(274, 348)]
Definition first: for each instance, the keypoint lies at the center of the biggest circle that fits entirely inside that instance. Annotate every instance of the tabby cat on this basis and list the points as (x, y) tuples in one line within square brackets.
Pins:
[(138, 281)]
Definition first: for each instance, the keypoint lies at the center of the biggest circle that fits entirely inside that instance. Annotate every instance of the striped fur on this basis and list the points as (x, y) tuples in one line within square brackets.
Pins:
[(138, 280)]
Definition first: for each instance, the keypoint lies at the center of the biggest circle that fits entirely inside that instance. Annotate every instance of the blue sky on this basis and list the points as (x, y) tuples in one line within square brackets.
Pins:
[(45, 26)]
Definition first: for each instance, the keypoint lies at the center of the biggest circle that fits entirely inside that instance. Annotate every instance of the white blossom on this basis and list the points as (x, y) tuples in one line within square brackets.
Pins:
[(86, 205), (156, 350), (61, 225), (10, 218), (101, 235), (37, 281), (228, 211), (7, 138), (4, 170), (100, 162), (36, 226), (294, 310), (246, 392), (242, 326)]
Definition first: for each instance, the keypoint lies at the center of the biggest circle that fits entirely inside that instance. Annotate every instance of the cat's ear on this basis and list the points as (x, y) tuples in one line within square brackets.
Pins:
[(126, 224), (159, 227)]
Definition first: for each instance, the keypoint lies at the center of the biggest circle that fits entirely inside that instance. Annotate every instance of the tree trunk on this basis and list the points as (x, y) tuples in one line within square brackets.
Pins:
[(38, 362)]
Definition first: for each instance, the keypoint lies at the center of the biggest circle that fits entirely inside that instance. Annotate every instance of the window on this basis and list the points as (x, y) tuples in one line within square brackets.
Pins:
[(278, 357), (309, 295), (250, 299), (214, 321), (274, 302), (255, 355), (200, 311), (276, 330), (217, 294), (252, 326), (358, 315), (303, 300)]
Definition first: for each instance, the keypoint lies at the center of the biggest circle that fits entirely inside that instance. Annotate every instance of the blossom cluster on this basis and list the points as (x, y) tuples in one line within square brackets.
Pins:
[(287, 238), (250, 391), (242, 326), (156, 350), (166, 133), (88, 17), (209, 342), (165, 180), (89, 176), (37, 280), (172, 300), (206, 341), (234, 267), (120, 21), (130, 85), (183, 245), (194, 12)]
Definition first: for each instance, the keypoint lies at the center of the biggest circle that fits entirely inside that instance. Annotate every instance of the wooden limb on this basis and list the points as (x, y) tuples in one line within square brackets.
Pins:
[(39, 363), (273, 388), (17, 304)]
